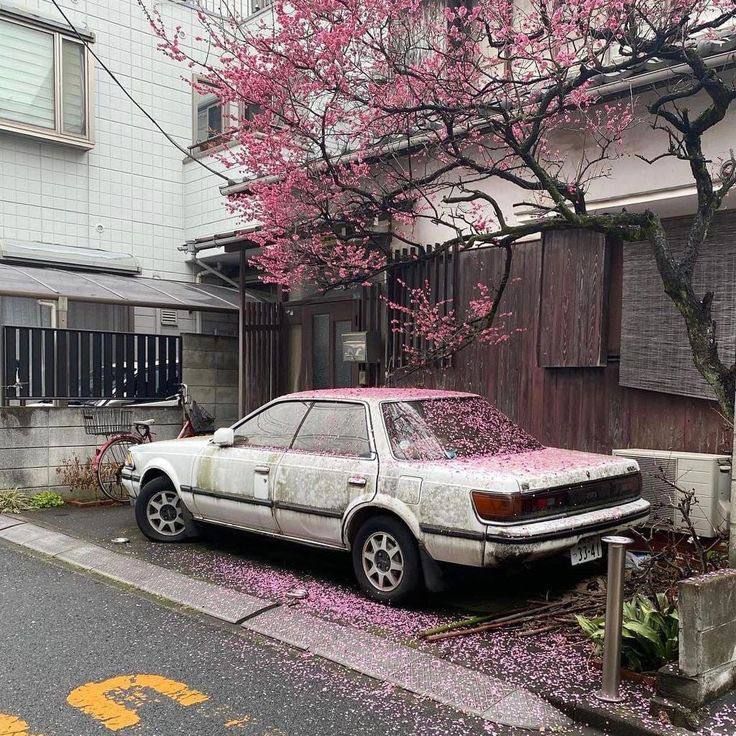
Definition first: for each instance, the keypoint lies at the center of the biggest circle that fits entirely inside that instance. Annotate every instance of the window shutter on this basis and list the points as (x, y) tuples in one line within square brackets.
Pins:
[(26, 75), (572, 317)]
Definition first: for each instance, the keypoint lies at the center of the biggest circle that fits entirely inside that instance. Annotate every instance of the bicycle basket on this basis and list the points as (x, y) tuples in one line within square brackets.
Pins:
[(108, 421), (202, 421)]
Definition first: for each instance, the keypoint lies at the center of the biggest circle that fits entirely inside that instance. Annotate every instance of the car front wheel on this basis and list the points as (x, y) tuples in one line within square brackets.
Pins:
[(161, 515), (386, 560)]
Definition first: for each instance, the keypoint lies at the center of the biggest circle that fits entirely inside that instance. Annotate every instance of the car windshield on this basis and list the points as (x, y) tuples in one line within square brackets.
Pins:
[(454, 427)]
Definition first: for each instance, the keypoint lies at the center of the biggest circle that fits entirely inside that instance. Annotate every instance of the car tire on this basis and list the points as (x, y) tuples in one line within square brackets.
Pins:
[(161, 515), (386, 560)]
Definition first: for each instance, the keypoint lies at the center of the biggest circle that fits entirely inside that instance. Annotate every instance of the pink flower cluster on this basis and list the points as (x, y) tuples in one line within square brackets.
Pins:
[(356, 117)]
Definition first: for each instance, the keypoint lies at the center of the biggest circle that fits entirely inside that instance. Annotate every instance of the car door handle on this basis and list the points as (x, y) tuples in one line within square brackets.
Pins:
[(357, 480), (263, 469)]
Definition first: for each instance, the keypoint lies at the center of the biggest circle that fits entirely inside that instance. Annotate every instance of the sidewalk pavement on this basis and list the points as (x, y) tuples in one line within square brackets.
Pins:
[(402, 666)]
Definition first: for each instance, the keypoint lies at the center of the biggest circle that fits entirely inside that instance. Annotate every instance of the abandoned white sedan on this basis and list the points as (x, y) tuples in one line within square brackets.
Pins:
[(404, 479)]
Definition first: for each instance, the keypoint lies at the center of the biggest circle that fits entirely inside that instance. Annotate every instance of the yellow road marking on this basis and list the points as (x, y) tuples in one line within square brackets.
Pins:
[(237, 722), (13, 726), (95, 698)]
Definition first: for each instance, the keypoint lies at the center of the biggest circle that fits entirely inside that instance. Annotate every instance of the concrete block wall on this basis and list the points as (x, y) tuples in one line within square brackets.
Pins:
[(35, 441), (210, 370), (707, 660)]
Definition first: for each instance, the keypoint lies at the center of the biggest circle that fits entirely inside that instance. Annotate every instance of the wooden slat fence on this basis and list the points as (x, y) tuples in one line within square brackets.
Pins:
[(42, 363), (580, 408), (413, 268), (260, 355)]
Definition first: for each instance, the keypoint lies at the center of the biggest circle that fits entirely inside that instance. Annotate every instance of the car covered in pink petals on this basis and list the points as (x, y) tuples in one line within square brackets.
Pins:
[(403, 479)]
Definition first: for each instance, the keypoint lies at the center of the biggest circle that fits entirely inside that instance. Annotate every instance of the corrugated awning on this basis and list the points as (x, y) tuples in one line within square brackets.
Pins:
[(52, 283)]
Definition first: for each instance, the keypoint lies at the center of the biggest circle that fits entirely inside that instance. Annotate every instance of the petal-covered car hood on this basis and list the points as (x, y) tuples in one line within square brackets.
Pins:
[(187, 445)]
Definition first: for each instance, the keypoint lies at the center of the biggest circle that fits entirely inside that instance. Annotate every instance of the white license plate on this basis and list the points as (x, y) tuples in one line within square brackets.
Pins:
[(586, 550)]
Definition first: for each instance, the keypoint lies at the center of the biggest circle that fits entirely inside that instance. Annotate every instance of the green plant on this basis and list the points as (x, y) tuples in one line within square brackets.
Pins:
[(46, 500), (649, 636), (13, 501), (79, 476)]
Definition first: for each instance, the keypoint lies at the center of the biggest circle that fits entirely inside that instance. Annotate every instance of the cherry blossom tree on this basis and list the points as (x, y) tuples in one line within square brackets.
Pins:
[(439, 120)]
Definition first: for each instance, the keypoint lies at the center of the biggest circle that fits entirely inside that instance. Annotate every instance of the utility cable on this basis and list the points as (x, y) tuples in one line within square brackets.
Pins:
[(135, 102)]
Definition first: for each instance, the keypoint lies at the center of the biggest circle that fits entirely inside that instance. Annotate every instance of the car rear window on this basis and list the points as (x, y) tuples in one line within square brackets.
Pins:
[(456, 427)]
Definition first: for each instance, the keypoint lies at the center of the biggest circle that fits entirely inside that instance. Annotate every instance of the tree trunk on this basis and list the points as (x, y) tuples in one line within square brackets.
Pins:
[(699, 322)]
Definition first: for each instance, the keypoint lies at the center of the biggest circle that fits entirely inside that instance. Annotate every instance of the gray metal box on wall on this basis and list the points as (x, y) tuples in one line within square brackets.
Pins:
[(361, 347)]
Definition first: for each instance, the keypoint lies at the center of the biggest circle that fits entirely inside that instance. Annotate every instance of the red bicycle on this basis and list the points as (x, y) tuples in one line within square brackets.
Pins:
[(122, 432)]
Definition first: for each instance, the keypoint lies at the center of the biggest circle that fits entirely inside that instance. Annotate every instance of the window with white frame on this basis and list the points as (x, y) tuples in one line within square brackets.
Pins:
[(211, 117), (44, 82)]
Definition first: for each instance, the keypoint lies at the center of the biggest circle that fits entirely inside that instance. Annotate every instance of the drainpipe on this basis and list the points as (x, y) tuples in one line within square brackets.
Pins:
[(62, 322), (241, 334), (732, 511)]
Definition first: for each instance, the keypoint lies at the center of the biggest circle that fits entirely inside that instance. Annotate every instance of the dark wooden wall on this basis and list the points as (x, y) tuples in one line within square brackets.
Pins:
[(581, 408)]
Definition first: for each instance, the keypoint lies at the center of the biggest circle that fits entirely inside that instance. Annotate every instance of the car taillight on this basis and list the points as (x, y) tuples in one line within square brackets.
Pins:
[(496, 506), (629, 485)]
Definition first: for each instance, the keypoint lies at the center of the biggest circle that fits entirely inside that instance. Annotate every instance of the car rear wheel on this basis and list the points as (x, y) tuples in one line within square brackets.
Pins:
[(161, 515), (386, 560)]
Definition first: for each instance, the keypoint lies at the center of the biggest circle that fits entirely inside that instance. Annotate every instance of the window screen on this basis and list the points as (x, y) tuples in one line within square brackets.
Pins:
[(73, 88), (273, 427), (334, 429)]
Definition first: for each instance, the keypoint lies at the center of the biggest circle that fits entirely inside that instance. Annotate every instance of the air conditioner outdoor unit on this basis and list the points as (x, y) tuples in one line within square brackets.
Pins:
[(708, 475)]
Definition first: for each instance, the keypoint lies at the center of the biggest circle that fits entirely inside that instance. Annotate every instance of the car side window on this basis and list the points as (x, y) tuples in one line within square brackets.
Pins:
[(273, 427), (333, 428)]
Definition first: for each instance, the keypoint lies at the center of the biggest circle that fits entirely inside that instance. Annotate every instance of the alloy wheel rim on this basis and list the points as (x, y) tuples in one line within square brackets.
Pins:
[(164, 513), (383, 562)]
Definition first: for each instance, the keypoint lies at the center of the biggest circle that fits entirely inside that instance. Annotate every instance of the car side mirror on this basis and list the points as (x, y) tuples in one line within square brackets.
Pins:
[(224, 437)]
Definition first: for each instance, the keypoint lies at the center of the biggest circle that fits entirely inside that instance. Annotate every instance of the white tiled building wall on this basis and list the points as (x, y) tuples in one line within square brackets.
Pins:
[(132, 192)]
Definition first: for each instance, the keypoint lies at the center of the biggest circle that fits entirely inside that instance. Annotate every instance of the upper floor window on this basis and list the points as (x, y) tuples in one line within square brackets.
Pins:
[(210, 114), (44, 82), (229, 8), (211, 118)]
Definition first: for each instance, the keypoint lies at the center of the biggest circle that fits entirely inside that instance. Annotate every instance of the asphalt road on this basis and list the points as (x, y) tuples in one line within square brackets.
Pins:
[(81, 657), (471, 591)]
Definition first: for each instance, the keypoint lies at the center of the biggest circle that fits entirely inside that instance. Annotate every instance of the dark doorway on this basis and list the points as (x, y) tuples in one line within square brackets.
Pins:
[(313, 334)]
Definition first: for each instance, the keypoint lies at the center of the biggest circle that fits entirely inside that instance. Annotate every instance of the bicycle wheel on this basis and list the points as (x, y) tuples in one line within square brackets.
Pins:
[(110, 466)]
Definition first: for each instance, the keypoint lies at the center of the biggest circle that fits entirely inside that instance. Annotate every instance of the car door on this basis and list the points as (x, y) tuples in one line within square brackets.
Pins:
[(234, 485), (331, 463)]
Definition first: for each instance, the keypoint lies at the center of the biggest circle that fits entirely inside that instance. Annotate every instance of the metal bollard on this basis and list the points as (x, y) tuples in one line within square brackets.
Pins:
[(614, 618)]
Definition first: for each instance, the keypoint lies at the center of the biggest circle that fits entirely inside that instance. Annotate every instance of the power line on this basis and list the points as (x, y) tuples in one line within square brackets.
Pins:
[(135, 102)]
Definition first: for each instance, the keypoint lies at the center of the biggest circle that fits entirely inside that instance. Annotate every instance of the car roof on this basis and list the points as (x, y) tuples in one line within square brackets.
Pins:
[(374, 395)]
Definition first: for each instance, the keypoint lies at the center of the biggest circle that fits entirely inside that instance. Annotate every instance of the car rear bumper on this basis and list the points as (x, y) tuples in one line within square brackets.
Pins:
[(544, 538), (492, 545)]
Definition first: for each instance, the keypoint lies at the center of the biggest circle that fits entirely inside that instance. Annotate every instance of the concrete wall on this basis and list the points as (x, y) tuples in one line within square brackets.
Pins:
[(707, 663), (210, 369), (34, 442)]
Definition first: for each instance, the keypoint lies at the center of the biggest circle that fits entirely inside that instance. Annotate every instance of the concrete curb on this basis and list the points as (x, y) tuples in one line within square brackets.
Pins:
[(613, 718), (409, 669)]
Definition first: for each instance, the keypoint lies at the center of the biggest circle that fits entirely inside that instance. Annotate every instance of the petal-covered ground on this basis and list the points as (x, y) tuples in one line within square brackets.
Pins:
[(560, 663)]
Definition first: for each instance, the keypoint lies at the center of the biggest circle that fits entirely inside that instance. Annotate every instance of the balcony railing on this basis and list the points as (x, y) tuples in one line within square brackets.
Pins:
[(229, 8)]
